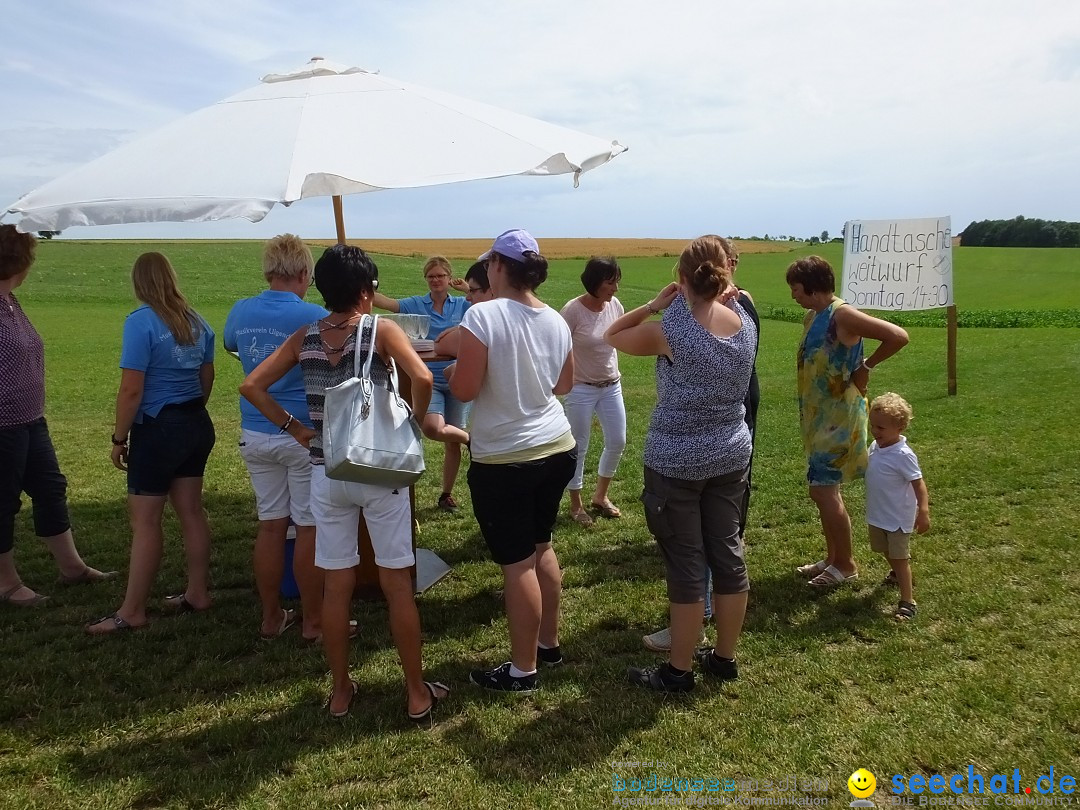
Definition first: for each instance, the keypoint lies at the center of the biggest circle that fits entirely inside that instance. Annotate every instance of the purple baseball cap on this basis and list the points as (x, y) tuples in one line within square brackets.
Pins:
[(512, 244)]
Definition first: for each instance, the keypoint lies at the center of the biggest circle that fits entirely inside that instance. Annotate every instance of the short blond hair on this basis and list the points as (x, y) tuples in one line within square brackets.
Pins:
[(894, 406), (286, 257)]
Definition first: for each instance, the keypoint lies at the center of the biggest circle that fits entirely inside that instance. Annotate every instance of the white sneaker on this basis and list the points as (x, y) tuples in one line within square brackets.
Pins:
[(660, 641)]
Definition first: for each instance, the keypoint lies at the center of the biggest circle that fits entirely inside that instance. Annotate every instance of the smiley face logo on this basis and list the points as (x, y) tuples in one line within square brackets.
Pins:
[(861, 783)]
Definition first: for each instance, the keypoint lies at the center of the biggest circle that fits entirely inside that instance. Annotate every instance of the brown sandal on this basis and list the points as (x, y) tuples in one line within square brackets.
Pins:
[(582, 518), (33, 601)]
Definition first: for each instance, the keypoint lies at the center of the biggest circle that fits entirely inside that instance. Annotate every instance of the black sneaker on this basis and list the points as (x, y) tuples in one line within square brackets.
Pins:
[(661, 678), (501, 680), (723, 668), (551, 657)]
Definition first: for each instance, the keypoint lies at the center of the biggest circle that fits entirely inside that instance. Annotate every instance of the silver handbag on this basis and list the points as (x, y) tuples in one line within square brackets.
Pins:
[(369, 434)]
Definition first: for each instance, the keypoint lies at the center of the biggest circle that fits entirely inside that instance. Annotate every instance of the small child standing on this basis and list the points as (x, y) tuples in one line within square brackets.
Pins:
[(896, 497)]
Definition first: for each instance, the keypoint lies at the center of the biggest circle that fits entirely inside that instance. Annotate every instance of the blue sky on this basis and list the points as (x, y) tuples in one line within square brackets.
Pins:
[(776, 116)]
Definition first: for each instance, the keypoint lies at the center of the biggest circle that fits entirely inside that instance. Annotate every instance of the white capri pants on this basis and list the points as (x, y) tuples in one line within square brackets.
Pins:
[(336, 506), (607, 403)]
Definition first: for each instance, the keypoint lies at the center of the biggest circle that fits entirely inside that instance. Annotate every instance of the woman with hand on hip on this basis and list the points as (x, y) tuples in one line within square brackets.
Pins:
[(447, 416), (167, 363), (515, 356), (697, 451), (279, 467), (832, 380), (326, 353), (597, 389), (29, 459)]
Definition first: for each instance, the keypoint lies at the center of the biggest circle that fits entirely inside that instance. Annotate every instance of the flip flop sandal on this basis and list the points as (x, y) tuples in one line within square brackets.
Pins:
[(811, 570), (179, 603), (608, 510), (420, 717), (112, 624), (87, 578), (354, 632), (832, 577), (348, 708), (581, 518), (288, 619)]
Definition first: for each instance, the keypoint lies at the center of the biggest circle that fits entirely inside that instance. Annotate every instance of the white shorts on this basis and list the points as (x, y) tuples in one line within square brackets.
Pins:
[(280, 469), (337, 505)]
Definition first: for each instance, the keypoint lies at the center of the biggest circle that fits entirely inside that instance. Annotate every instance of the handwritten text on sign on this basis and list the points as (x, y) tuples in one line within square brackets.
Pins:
[(901, 264)]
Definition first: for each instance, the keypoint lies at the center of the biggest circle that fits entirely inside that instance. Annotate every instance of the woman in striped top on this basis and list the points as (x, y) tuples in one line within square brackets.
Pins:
[(325, 351)]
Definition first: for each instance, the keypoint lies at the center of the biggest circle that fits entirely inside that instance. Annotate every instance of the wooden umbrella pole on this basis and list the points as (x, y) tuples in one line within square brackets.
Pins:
[(339, 219)]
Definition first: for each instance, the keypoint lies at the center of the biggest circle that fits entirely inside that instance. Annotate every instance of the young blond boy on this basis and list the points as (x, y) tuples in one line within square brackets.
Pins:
[(896, 497)]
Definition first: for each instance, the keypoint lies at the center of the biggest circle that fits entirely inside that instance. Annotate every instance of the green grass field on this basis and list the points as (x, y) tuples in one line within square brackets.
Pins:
[(196, 711)]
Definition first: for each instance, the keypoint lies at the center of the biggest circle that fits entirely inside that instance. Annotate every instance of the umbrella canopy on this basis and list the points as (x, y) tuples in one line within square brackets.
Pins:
[(322, 130)]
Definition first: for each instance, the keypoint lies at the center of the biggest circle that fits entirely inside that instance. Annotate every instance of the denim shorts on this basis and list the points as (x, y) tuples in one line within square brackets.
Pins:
[(174, 444), (452, 410)]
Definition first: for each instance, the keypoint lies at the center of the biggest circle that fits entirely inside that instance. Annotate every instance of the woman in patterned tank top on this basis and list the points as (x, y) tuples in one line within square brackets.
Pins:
[(325, 351), (697, 452)]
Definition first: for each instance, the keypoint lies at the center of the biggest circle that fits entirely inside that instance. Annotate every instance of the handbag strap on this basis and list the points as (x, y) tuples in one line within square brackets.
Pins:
[(365, 372)]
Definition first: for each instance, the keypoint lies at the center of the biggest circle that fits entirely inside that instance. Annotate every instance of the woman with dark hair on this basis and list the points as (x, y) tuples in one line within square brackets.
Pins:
[(697, 451), (832, 377), (597, 387), (167, 363), (477, 290), (446, 417), (326, 351), (515, 356), (29, 460)]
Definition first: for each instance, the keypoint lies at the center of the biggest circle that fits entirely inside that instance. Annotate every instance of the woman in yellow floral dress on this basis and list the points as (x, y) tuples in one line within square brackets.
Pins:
[(833, 375)]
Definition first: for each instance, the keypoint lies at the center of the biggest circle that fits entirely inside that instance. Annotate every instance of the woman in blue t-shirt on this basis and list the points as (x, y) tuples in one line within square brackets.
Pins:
[(447, 415), (167, 363)]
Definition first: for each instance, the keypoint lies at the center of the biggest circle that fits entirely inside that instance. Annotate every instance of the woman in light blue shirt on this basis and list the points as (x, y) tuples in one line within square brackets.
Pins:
[(447, 415), (167, 363), (279, 467)]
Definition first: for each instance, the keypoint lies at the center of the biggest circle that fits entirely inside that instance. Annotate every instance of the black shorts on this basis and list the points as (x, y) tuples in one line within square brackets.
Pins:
[(174, 444), (516, 505)]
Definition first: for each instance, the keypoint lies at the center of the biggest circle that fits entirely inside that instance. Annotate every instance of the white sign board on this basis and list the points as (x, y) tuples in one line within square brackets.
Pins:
[(898, 264)]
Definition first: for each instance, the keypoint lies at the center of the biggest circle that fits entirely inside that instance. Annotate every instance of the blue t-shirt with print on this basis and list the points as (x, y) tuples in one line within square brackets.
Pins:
[(453, 311), (255, 328), (172, 370)]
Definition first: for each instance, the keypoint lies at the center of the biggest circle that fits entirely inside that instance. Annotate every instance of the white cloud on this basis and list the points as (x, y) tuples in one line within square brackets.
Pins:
[(773, 116)]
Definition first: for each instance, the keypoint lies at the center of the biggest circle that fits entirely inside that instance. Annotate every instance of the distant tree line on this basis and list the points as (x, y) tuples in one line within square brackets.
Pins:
[(1021, 232)]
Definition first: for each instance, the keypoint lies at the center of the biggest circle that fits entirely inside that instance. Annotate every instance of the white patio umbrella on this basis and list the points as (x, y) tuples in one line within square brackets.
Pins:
[(322, 130)]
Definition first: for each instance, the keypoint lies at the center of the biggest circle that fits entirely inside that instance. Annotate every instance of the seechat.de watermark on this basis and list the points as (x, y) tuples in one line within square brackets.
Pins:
[(964, 789)]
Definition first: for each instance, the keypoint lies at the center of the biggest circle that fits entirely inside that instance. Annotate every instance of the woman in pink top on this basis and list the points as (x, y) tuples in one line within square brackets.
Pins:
[(597, 388)]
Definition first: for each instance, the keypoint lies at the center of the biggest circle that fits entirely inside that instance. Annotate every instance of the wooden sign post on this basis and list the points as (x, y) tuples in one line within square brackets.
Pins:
[(902, 265)]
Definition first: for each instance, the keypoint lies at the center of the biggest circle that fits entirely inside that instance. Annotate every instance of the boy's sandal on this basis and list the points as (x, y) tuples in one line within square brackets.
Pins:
[(906, 611), (811, 570), (582, 518), (832, 577), (890, 580)]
